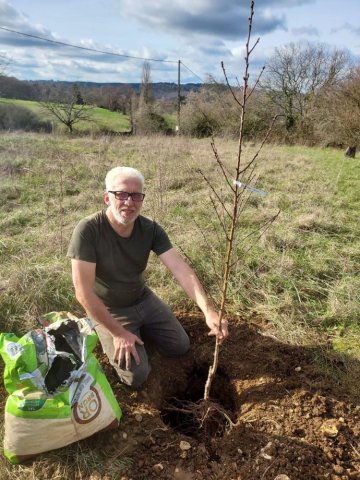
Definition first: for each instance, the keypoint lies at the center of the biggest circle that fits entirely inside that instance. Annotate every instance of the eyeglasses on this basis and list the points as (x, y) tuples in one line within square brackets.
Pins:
[(135, 196)]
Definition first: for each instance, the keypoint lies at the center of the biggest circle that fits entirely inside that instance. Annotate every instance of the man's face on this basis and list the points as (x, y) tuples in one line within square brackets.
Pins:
[(124, 211)]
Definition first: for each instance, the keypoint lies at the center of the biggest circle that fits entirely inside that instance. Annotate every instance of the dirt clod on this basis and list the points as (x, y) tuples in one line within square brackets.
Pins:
[(184, 445)]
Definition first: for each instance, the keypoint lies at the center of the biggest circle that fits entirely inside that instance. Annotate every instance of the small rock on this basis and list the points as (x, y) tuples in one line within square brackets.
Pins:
[(297, 369), (158, 467), (138, 417), (185, 445), (124, 435), (338, 469), (329, 428), (282, 477), (265, 455), (264, 452)]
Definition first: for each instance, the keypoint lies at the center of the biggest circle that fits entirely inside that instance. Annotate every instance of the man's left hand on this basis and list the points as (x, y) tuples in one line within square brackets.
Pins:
[(212, 321)]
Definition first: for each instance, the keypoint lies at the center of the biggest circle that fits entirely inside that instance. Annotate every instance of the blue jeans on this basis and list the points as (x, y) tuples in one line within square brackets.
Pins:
[(151, 320)]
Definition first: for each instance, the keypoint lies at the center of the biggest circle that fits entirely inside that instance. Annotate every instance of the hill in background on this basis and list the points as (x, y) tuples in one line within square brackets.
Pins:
[(11, 87)]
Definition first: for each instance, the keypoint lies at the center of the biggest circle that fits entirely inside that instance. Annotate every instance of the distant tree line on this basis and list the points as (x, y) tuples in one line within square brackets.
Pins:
[(312, 89), (112, 96)]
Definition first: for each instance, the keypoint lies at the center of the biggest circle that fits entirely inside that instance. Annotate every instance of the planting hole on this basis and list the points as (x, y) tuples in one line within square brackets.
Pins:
[(181, 413)]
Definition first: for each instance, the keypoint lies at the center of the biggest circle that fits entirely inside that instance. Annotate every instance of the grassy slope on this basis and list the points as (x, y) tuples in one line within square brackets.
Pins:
[(302, 273), (102, 119)]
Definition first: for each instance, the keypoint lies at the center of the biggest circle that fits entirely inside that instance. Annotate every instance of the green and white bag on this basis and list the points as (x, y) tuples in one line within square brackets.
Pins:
[(58, 393)]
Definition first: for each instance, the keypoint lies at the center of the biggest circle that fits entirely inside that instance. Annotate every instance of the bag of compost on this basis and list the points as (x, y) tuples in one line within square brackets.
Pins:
[(58, 393)]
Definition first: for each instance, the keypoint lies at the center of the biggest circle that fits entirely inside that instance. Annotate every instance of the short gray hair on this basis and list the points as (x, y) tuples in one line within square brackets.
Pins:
[(122, 172)]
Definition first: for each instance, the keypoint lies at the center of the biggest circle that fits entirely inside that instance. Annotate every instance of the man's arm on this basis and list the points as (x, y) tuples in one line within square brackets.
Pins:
[(83, 275), (191, 285)]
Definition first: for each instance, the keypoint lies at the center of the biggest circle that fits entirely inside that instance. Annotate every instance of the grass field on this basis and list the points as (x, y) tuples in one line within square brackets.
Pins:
[(101, 119), (302, 272), (300, 275)]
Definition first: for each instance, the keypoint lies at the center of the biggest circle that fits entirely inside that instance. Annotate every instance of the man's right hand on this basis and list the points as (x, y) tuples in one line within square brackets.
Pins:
[(124, 347)]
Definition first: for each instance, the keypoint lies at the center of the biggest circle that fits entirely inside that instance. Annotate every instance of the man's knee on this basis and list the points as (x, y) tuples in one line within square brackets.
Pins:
[(176, 348), (183, 346), (136, 376)]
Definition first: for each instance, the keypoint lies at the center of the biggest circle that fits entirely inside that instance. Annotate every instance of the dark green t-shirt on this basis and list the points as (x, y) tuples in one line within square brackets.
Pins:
[(120, 262)]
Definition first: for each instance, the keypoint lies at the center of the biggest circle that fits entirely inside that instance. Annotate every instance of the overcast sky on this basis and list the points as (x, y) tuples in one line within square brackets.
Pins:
[(201, 33)]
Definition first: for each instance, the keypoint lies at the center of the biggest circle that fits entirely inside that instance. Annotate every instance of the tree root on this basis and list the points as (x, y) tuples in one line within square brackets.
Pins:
[(206, 415)]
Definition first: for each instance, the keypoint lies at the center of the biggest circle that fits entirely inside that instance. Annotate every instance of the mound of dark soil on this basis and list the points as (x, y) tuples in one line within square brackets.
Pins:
[(290, 422)]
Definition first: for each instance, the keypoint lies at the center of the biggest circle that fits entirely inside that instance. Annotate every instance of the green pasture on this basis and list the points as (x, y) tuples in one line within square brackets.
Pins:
[(102, 120)]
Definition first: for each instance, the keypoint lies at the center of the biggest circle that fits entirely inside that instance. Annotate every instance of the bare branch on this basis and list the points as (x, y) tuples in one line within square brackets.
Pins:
[(253, 47), (221, 221), (256, 83), (228, 84), (220, 163), (68, 106), (214, 191), (261, 145)]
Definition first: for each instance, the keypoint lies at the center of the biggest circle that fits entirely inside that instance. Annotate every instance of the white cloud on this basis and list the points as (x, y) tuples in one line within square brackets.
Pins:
[(225, 19), (201, 33)]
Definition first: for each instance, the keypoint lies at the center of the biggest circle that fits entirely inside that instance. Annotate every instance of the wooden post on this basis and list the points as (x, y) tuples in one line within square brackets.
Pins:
[(178, 101)]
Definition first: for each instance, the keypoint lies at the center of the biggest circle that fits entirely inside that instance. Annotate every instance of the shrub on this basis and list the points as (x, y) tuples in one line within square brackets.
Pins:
[(150, 123), (201, 116), (212, 111), (16, 117)]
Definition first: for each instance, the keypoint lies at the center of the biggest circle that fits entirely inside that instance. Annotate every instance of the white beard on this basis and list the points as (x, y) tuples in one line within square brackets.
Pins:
[(118, 217)]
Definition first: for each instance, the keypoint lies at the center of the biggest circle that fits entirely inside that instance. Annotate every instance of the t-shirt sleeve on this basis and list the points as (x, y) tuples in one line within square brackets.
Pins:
[(161, 241), (82, 243)]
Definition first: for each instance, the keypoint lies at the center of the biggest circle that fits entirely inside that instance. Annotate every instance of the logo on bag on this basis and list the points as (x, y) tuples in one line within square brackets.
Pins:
[(13, 349), (88, 407)]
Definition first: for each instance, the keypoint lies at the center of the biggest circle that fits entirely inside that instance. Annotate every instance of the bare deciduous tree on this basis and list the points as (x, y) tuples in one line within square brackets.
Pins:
[(66, 107), (146, 94), (236, 182), (336, 113), (147, 119), (114, 98), (297, 71)]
